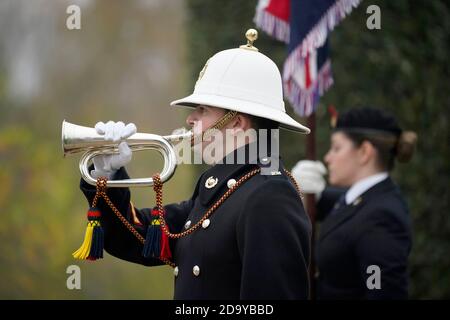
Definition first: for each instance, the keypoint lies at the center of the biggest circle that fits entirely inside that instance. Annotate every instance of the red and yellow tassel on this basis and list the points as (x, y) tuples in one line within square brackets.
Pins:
[(92, 247)]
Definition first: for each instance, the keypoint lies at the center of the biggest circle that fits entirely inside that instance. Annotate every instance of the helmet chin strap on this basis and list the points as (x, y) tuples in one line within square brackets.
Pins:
[(220, 123)]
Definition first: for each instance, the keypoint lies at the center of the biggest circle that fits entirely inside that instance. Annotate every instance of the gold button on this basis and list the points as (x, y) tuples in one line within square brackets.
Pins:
[(205, 224), (231, 183), (196, 271)]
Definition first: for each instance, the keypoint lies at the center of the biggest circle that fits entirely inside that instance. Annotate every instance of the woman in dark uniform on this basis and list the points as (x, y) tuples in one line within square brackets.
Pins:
[(365, 237)]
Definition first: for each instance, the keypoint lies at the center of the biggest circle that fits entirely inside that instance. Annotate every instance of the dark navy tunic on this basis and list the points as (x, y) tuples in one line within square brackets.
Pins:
[(256, 246)]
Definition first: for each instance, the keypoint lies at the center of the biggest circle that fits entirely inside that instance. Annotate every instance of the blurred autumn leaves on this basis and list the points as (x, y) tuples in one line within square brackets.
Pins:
[(126, 63)]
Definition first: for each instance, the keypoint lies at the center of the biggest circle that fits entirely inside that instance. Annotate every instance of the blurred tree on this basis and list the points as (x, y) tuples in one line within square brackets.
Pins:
[(402, 68), (118, 66)]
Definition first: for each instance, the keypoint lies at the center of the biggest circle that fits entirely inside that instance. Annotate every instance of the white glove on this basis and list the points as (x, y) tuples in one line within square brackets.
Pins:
[(310, 176), (107, 165)]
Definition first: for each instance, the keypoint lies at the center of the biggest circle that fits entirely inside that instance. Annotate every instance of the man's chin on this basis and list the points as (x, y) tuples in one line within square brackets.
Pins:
[(210, 154)]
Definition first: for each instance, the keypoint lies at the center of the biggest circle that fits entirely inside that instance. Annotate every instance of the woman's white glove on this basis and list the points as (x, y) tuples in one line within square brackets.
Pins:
[(310, 176), (107, 165)]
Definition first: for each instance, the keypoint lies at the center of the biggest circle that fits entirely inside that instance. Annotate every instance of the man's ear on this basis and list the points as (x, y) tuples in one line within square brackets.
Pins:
[(241, 122)]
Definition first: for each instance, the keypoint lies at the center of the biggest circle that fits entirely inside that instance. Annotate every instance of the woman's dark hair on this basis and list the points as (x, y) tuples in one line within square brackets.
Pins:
[(382, 131), (386, 149)]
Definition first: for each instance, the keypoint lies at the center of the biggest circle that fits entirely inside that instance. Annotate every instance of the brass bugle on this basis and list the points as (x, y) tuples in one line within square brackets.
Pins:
[(77, 139)]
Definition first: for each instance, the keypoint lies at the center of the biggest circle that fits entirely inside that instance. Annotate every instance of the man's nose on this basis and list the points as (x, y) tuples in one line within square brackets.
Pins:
[(190, 120)]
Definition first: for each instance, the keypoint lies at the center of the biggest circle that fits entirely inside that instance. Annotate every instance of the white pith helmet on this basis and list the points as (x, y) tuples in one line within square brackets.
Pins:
[(242, 80)]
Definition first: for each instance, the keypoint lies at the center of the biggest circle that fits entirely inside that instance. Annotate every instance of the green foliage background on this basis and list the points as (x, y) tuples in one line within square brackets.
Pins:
[(402, 68)]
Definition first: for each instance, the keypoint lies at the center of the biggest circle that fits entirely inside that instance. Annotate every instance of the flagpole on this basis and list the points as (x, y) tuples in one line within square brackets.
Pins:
[(311, 201)]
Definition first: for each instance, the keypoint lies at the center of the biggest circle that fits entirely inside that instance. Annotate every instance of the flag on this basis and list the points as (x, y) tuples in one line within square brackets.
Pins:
[(304, 25)]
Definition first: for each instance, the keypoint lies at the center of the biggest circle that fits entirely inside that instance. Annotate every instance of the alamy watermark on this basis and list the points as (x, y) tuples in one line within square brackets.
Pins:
[(230, 147), (73, 21), (373, 282), (73, 281), (374, 20)]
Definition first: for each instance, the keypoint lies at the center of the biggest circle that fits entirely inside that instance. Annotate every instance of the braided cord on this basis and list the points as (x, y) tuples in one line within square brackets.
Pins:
[(157, 187)]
